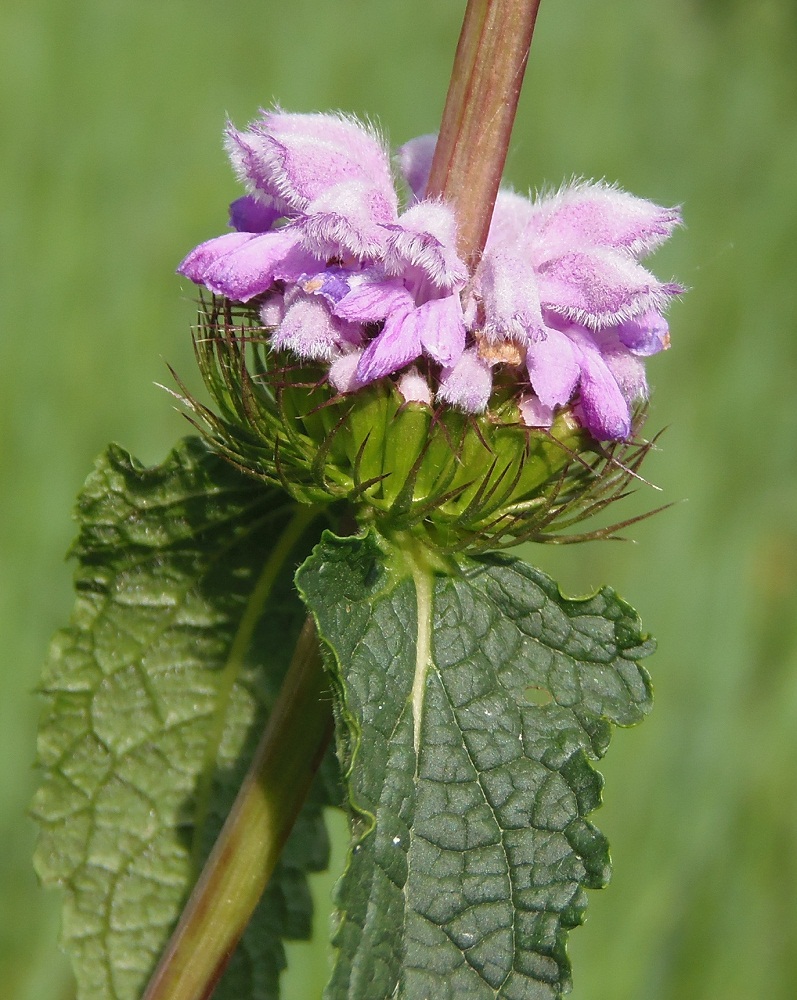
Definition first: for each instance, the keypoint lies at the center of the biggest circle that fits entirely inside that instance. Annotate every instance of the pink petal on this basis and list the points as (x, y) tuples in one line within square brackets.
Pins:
[(303, 156), (345, 219), (272, 312), (414, 387), (425, 238), (627, 367), (646, 334), (628, 372), (534, 413), (250, 155), (415, 162), (603, 409), (373, 299), (553, 368), (397, 345), (343, 372), (309, 330), (509, 292), (297, 262), (511, 217), (441, 329), (195, 265), (600, 288), (468, 384), (597, 215), (249, 269)]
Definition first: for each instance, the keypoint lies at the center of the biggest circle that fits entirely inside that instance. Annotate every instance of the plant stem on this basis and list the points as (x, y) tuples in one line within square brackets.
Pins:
[(479, 113), (250, 843), (253, 612)]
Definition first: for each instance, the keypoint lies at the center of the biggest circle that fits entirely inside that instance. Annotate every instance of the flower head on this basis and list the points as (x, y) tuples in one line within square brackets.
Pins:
[(559, 297), (380, 329)]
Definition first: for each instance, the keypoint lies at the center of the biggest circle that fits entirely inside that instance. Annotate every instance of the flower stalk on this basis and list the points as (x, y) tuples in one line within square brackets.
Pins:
[(479, 113), (254, 834)]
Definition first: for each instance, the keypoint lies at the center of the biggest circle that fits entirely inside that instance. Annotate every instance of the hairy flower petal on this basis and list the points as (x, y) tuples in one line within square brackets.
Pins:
[(303, 156), (249, 269), (441, 329), (414, 387), (272, 312), (250, 156), (626, 366), (297, 263), (512, 217), (598, 215), (646, 334), (196, 263), (599, 288), (511, 300), (467, 384), (343, 372), (603, 408), (628, 371), (310, 330), (426, 238), (347, 219), (534, 413), (373, 298)]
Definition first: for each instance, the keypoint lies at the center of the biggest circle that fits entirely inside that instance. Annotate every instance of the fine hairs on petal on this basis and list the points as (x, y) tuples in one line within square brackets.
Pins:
[(512, 215), (598, 214), (305, 155), (511, 302), (599, 288), (309, 329), (426, 238), (414, 387), (468, 384), (343, 372), (249, 155)]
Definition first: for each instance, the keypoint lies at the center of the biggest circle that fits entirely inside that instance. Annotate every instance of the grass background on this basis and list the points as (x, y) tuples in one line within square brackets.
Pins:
[(112, 169)]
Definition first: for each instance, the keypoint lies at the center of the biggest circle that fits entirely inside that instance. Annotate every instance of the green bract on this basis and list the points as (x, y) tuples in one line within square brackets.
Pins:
[(460, 481)]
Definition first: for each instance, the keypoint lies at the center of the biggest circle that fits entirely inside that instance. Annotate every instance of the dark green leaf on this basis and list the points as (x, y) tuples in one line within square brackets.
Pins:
[(471, 850), (156, 695)]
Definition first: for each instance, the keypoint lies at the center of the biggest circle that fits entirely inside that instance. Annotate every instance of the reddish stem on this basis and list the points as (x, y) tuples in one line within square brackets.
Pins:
[(480, 110)]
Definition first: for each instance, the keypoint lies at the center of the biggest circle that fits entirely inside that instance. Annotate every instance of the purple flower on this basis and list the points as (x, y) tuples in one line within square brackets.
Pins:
[(322, 215), (560, 278), (342, 275)]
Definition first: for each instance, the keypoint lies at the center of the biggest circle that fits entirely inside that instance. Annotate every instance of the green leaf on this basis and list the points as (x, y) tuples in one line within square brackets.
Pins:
[(156, 695), (471, 848)]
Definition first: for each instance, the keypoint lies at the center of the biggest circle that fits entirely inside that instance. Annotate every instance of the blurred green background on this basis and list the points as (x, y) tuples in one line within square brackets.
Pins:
[(110, 126)]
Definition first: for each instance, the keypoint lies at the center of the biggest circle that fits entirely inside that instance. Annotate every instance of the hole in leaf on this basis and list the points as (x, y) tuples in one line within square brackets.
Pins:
[(538, 695)]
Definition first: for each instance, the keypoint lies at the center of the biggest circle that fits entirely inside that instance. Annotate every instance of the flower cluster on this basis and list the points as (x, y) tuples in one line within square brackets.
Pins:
[(341, 274)]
